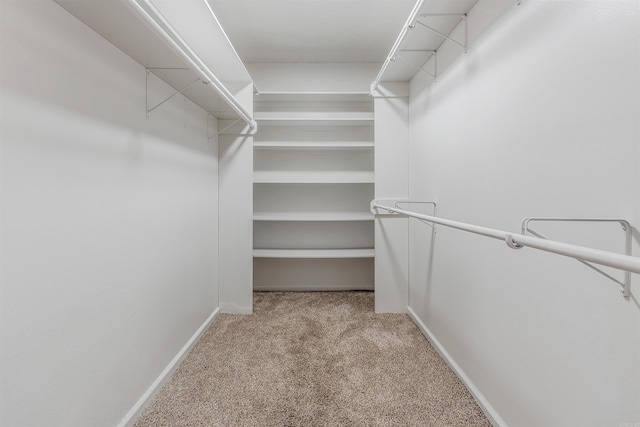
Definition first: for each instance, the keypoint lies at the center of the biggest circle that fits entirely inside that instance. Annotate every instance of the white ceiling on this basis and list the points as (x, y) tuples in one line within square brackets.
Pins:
[(312, 30)]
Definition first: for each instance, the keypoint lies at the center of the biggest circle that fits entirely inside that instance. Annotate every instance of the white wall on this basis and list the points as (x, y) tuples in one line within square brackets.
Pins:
[(109, 223), (236, 211), (540, 118), (391, 176), (316, 77)]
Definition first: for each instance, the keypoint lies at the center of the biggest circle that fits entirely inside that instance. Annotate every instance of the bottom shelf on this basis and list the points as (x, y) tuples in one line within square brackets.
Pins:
[(299, 274), (313, 253)]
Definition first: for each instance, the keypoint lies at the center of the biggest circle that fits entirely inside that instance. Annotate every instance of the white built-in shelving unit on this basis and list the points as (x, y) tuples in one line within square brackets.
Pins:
[(313, 181)]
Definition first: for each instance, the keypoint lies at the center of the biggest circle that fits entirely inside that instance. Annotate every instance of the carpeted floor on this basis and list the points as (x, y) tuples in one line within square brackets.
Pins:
[(313, 359)]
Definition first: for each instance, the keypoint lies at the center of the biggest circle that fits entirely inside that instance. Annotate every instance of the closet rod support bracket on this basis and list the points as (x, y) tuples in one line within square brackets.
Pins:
[(177, 92), (624, 224), (511, 243), (462, 16)]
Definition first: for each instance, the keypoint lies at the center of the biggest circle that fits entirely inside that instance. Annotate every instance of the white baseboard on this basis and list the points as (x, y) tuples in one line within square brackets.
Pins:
[(482, 401), (235, 309), (137, 409)]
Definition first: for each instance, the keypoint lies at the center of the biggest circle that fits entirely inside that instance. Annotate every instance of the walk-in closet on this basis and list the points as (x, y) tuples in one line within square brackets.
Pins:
[(319, 213)]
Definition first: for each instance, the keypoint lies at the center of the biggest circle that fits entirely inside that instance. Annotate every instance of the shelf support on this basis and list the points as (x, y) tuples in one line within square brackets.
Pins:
[(226, 128), (209, 135), (236, 127), (462, 16), (626, 227), (149, 110), (435, 58)]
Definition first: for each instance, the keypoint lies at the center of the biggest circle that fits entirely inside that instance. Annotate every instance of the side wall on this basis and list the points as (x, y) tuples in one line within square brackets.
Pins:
[(236, 212), (109, 223), (540, 118), (392, 174)]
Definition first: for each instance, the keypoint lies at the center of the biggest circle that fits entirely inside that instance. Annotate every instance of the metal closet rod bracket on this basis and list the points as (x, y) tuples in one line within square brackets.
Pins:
[(626, 227), (397, 205), (177, 91), (434, 55), (463, 18)]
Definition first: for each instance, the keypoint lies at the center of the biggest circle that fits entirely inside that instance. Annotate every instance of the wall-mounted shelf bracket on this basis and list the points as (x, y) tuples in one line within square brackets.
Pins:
[(177, 92), (210, 134), (236, 128), (434, 54), (463, 18), (626, 227)]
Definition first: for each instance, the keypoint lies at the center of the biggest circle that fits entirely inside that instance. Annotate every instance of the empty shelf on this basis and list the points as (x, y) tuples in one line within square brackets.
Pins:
[(289, 145), (313, 216), (313, 253), (313, 116), (269, 177)]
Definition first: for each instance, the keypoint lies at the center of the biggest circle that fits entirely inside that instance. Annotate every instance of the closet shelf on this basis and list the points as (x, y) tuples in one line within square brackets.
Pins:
[(270, 145), (430, 25), (313, 174), (314, 115), (152, 34), (312, 177), (305, 118), (313, 216), (313, 253)]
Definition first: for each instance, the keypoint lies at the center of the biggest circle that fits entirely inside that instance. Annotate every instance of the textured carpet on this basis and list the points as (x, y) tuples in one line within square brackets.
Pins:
[(313, 359)]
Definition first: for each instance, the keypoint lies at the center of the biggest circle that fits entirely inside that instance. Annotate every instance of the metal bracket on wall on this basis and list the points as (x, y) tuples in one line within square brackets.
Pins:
[(177, 92), (235, 128), (210, 136), (626, 227), (398, 204), (434, 55), (463, 18)]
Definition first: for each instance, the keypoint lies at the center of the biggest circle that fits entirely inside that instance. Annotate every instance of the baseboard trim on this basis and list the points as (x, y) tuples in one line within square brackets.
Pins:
[(482, 401), (137, 409)]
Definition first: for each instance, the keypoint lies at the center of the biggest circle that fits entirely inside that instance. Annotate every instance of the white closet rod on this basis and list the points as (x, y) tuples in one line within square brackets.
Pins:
[(394, 50), (517, 241), (152, 16)]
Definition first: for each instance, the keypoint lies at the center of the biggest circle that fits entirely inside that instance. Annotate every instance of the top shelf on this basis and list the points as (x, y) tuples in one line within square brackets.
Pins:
[(313, 116), (430, 25), (122, 24), (323, 97), (292, 145)]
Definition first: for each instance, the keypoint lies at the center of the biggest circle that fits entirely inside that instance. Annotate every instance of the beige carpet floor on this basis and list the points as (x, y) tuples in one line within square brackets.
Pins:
[(313, 359)]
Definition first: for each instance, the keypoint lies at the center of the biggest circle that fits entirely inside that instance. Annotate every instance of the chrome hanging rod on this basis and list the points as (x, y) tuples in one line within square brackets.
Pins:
[(518, 241), (152, 16)]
